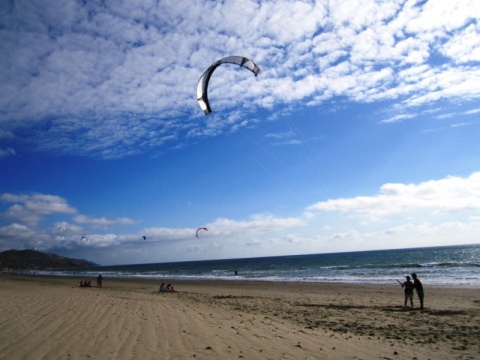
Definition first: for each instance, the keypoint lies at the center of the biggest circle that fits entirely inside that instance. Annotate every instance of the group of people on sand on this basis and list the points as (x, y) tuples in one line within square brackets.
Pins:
[(409, 286), (85, 283), (88, 283), (168, 288)]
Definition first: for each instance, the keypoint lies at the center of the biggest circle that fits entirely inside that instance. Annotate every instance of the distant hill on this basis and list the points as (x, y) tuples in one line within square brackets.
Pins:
[(36, 260)]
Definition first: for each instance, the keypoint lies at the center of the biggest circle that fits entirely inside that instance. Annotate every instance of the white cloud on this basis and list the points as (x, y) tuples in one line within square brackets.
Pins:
[(472, 112), (449, 195), (7, 152), (20, 235), (129, 70), (401, 215), (24, 222), (82, 219), (464, 46), (227, 228), (31, 209), (169, 234), (255, 225), (398, 117)]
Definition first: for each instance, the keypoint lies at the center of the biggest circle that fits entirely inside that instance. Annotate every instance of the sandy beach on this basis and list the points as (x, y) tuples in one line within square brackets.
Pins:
[(54, 318)]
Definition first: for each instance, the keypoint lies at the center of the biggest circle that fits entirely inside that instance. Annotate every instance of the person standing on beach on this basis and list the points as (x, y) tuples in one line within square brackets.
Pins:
[(408, 289), (99, 280), (417, 285)]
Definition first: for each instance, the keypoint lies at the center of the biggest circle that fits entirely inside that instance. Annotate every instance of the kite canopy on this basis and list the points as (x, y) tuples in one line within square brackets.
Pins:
[(202, 86), (202, 228), (84, 238), (144, 237)]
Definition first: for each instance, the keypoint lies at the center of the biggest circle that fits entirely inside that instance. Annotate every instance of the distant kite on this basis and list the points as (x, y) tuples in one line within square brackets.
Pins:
[(83, 238), (144, 237), (202, 228), (202, 86), (60, 228)]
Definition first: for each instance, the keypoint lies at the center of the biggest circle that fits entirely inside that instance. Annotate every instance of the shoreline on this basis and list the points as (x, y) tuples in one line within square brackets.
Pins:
[(233, 279), (209, 319)]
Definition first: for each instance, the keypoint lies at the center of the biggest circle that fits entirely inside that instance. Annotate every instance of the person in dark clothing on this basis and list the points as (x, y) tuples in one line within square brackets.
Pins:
[(408, 289), (99, 280), (417, 285)]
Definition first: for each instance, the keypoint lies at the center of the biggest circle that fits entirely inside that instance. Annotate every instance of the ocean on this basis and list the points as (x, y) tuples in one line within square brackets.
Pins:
[(446, 265)]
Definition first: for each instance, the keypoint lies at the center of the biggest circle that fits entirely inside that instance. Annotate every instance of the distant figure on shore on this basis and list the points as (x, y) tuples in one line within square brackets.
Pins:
[(168, 288), (99, 280), (85, 283), (408, 289), (417, 285)]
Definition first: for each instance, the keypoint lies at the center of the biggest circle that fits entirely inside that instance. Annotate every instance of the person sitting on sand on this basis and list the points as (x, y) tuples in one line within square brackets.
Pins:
[(417, 285), (162, 288), (169, 288), (408, 289), (81, 283)]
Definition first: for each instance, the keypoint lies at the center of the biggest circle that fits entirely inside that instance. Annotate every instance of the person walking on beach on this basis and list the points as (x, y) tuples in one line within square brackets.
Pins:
[(408, 289), (417, 285)]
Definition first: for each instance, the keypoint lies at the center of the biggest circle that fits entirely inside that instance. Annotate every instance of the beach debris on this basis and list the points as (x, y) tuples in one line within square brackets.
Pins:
[(202, 86), (201, 228)]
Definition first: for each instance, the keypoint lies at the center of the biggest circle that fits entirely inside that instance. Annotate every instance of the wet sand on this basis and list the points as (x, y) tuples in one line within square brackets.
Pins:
[(54, 318)]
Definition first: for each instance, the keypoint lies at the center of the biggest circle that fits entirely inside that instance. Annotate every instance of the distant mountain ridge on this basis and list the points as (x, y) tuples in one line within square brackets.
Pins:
[(36, 260)]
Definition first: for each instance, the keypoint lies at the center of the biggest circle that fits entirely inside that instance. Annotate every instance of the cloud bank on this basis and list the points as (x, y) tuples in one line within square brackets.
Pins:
[(370, 224), (450, 195)]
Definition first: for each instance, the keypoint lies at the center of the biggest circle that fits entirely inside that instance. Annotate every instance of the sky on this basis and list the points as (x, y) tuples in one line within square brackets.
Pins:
[(359, 133)]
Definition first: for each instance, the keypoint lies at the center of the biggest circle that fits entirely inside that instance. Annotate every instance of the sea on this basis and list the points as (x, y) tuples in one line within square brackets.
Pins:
[(446, 265)]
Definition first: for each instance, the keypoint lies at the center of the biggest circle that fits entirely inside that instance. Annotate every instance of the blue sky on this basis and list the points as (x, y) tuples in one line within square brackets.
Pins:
[(361, 131)]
